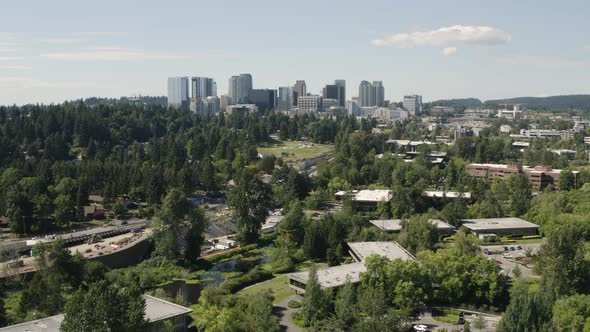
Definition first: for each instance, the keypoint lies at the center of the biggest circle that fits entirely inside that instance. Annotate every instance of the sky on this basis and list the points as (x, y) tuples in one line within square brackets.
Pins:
[(57, 50)]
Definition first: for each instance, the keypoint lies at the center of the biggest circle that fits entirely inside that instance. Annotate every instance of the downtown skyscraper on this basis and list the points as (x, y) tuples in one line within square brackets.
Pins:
[(178, 94), (240, 88), (371, 94), (202, 87)]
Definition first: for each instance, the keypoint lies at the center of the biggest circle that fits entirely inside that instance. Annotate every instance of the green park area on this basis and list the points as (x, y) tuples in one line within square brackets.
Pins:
[(295, 150)]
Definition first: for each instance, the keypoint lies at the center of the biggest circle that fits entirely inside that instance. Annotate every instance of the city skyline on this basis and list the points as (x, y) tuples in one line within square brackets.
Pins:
[(443, 51)]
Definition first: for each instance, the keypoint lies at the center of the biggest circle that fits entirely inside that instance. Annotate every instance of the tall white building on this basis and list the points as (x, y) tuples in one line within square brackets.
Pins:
[(178, 95), (366, 94), (413, 104)]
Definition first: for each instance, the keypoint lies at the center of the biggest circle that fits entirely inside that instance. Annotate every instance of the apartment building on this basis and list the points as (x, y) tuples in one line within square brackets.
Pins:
[(539, 176)]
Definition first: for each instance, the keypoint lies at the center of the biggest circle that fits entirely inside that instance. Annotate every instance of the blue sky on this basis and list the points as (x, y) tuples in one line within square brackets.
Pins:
[(56, 50)]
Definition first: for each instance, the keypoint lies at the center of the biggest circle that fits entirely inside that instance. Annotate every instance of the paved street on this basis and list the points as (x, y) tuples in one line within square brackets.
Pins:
[(434, 325)]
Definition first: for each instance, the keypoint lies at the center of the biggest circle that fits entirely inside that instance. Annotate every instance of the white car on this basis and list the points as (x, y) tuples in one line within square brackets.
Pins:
[(507, 256), (420, 328)]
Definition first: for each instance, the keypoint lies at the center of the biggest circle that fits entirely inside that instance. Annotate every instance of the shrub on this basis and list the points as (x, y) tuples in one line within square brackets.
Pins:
[(294, 304)]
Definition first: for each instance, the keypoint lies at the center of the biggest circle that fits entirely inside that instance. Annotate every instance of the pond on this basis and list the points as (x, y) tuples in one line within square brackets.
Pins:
[(191, 291)]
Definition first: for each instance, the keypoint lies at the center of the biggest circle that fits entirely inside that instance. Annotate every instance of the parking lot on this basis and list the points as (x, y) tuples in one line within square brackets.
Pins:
[(506, 256)]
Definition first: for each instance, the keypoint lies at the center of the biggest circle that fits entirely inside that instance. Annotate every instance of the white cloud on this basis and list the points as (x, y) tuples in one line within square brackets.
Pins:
[(448, 38), (111, 54), (448, 51)]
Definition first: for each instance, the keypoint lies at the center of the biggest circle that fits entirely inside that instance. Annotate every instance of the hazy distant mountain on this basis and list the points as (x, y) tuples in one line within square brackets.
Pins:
[(553, 103), (459, 104), (144, 100)]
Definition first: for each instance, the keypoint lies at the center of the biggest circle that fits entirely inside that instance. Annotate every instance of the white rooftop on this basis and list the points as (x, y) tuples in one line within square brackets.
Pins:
[(155, 310), (391, 250), (394, 225), (376, 195), (497, 223), (449, 194), (334, 276)]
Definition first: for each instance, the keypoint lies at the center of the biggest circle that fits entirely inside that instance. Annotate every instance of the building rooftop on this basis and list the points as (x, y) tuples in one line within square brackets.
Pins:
[(394, 225), (391, 250), (449, 194), (497, 223), (334, 276), (155, 310), (376, 195)]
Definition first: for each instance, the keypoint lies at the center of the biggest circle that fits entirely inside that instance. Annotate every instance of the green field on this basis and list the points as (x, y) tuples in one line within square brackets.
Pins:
[(446, 315), (279, 287), (295, 150)]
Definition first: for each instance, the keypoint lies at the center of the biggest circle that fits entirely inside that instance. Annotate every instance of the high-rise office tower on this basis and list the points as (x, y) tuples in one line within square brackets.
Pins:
[(330, 91), (264, 99), (379, 93), (203, 87), (341, 92), (299, 90), (239, 88), (366, 94), (285, 98), (413, 104), (178, 95)]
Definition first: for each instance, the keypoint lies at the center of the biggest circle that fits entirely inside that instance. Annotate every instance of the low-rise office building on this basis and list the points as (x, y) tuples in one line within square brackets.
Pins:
[(368, 200), (337, 276), (395, 226), (501, 226), (157, 311)]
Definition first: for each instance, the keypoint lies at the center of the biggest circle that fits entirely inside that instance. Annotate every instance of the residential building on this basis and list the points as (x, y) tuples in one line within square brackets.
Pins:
[(224, 102), (309, 103), (264, 99), (379, 93), (178, 95), (581, 126), (285, 99), (389, 116), (539, 176), (352, 107), (205, 106), (203, 87), (239, 88), (366, 94), (413, 104), (299, 90)]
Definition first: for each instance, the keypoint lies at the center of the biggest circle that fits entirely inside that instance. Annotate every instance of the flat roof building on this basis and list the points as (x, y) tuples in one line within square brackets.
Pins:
[(501, 226), (395, 226), (337, 276), (368, 200), (156, 310), (539, 176)]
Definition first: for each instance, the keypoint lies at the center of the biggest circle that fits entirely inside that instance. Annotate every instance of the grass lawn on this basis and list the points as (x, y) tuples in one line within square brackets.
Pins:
[(279, 287), (445, 315), (295, 150)]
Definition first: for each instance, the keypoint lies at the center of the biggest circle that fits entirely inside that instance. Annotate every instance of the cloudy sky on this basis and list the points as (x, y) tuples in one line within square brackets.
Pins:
[(56, 50)]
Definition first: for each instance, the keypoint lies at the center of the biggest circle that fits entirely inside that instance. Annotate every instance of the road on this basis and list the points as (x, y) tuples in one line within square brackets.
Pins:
[(434, 325)]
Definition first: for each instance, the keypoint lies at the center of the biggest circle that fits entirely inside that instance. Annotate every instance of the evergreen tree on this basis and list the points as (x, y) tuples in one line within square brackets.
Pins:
[(315, 302)]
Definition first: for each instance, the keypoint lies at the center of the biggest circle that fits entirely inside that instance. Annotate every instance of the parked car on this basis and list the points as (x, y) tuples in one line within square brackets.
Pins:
[(507, 256), (421, 328), (505, 248), (486, 251), (519, 247), (461, 321), (124, 222), (512, 249), (498, 262)]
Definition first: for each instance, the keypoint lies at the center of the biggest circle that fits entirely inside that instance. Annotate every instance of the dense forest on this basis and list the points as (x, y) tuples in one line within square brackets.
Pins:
[(54, 156)]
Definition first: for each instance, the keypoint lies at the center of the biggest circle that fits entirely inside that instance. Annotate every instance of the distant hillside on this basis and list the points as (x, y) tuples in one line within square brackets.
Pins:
[(145, 100), (553, 103), (458, 104)]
